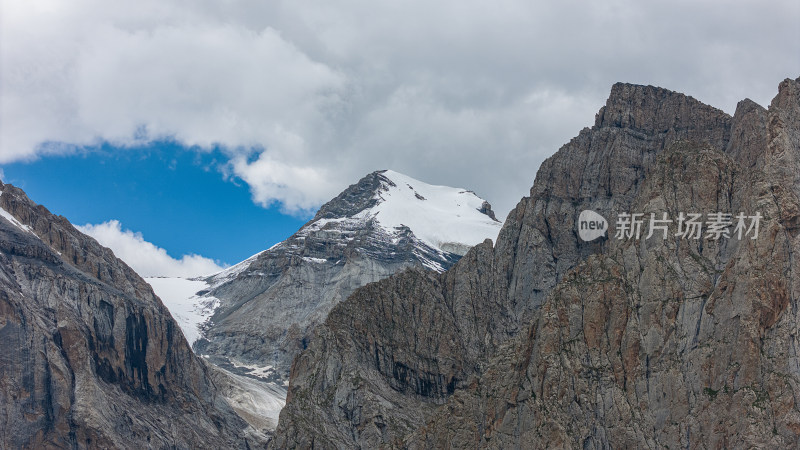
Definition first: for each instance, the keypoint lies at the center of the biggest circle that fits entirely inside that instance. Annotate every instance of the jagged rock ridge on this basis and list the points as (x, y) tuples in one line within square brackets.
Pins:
[(544, 340)]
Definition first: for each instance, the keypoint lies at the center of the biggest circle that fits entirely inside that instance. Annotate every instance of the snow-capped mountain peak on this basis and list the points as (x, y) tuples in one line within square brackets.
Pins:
[(446, 218), (253, 318)]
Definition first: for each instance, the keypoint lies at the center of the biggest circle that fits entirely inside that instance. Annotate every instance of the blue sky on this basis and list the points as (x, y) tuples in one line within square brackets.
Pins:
[(176, 197)]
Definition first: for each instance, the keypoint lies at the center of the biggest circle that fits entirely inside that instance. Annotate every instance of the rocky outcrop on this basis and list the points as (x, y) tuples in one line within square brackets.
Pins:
[(748, 135), (545, 340), (486, 208), (91, 358), (652, 343)]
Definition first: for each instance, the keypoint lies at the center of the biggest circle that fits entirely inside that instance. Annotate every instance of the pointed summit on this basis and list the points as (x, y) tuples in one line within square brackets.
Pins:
[(356, 198), (444, 218), (398, 200)]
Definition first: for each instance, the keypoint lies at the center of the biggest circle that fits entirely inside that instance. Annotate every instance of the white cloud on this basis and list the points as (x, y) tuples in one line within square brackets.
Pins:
[(306, 97), (145, 258), (299, 188)]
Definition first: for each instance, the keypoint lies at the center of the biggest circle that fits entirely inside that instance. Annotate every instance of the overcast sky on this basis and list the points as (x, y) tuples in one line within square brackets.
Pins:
[(305, 97)]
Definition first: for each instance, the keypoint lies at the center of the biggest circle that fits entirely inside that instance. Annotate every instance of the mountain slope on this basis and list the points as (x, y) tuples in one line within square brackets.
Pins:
[(379, 226), (252, 319), (91, 357), (545, 340)]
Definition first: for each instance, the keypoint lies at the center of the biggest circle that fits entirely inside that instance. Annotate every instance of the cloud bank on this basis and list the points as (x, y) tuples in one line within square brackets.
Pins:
[(306, 97), (145, 258)]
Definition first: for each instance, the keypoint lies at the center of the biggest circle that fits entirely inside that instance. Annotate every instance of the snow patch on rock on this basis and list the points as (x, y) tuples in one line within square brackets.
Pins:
[(7, 215), (190, 310)]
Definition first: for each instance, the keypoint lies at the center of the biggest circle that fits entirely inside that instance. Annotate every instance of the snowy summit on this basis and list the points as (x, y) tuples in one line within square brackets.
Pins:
[(446, 218), (387, 216)]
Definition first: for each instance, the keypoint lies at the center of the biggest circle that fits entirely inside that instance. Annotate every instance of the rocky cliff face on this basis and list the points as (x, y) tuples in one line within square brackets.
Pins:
[(375, 228), (545, 340), (90, 356)]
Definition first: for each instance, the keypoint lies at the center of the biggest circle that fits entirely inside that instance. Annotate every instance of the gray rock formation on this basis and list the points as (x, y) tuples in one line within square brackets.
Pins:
[(90, 357), (271, 302), (544, 340)]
